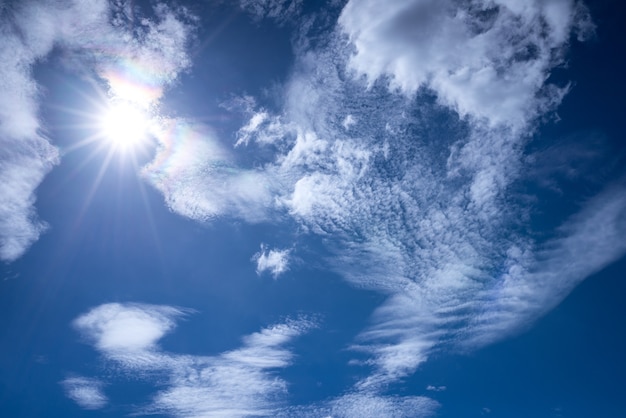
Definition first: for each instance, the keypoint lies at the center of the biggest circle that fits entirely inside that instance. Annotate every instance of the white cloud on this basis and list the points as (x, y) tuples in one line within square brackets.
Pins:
[(484, 59), (274, 261), (199, 180), (116, 327), (240, 382), (86, 392), (534, 283), (348, 122), (436, 388), (137, 65), (263, 129)]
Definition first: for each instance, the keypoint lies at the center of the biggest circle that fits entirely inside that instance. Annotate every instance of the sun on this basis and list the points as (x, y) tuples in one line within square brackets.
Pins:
[(124, 125)]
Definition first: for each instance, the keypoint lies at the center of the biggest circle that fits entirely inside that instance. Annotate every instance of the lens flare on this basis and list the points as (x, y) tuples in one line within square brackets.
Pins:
[(124, 125)]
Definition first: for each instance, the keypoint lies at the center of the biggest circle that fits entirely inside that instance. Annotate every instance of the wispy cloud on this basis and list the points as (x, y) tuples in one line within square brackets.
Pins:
[(263, 128), (237, 383), (86, 392), (436, 388), (240, 382), (199, 179), (274, 261)]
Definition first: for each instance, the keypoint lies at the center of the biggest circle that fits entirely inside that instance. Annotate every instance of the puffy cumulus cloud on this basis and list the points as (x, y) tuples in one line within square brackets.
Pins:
[(485, 59), (120, 328), (274, 261), (86, 392), (236, 383), (95, 37)]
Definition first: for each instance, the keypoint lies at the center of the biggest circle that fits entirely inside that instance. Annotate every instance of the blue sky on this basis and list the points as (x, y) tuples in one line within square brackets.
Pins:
[(312, 209)]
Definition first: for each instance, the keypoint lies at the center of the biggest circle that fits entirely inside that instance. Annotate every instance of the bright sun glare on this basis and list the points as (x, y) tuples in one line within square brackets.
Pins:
[(124, 125)]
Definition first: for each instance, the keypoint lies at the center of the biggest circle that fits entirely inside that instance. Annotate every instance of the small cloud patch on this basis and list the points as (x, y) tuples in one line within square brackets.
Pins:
[(86, 392), (276, 262)]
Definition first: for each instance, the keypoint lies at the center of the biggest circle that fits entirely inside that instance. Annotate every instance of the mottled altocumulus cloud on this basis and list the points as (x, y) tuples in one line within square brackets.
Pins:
[(95, 38), (280, 11)]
